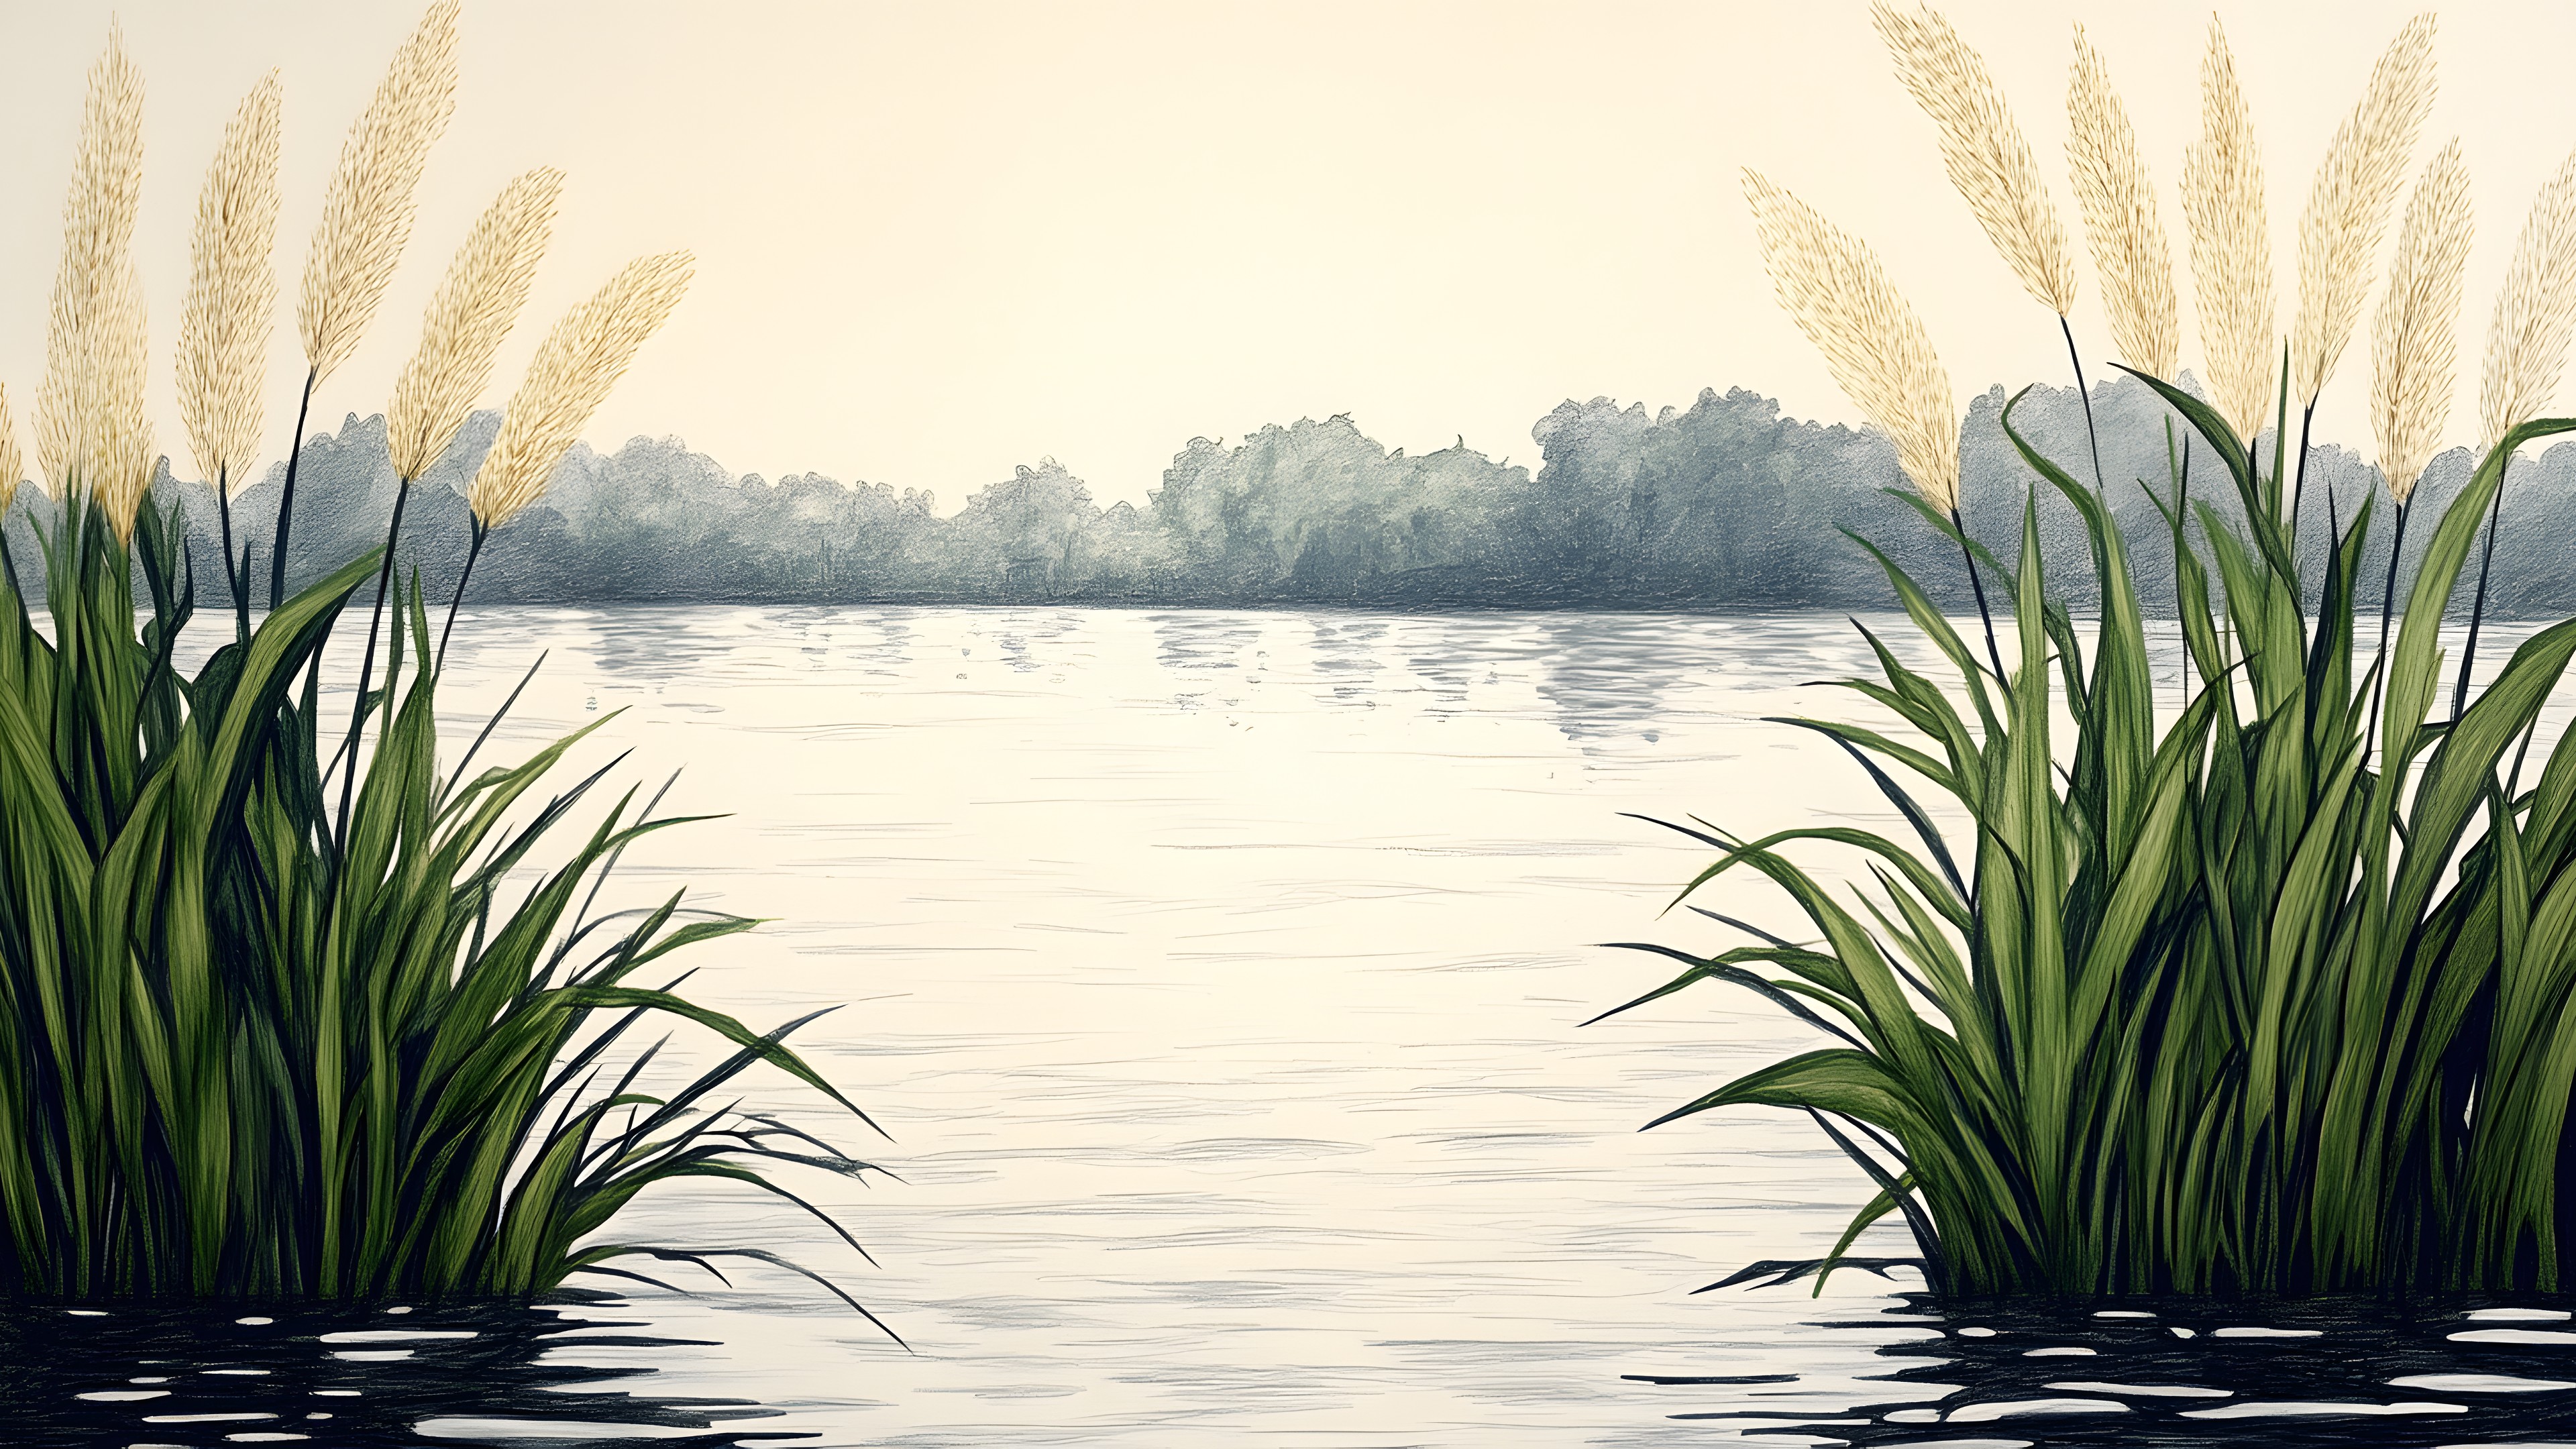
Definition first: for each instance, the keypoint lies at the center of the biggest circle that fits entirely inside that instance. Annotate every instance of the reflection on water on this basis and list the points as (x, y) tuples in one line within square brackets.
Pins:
[(2179, 1375), (343, 1376)]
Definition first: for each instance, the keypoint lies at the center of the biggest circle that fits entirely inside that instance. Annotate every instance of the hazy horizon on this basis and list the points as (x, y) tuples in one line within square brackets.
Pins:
[(938, 242)]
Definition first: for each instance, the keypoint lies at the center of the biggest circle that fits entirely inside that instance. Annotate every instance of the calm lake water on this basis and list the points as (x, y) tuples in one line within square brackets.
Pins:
[(1219, 978)]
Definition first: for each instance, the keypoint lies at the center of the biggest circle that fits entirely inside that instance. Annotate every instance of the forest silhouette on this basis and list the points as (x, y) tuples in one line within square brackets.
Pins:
[(1724, 504)]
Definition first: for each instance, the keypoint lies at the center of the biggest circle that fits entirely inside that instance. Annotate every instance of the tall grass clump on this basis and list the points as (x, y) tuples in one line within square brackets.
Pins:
[(252, 1045), (2273, 993)]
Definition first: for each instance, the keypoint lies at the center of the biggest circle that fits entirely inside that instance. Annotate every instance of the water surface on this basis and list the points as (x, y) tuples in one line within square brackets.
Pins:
[(1219, 977)]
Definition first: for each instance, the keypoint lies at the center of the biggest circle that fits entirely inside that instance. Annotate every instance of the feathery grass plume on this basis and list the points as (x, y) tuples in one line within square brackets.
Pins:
[(367, 210), (2535, 312), (2526, 352), (471, 312), (366, 221), (571, 375), (486, 285), (2416, 336), (98, 237), (1833, 287), (2348, 204), (2118, 200), (116, 434), (232, 291), (1988, 160), (2231, 245)]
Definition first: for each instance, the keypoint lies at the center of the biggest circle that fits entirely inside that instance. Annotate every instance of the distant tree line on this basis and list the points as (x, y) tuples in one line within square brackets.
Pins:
[(1724, 504)]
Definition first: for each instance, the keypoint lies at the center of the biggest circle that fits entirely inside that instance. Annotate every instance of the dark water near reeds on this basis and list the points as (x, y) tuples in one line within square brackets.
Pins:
[(1218, 976)]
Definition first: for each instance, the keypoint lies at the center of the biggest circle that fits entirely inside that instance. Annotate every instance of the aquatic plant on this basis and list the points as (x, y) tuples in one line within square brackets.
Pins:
[(250, 1048), (2231, 244), (2535, 311), (580, 360), (1990, 164), (2226, 1001), (2121, 223), (366, 222), (224, 326)]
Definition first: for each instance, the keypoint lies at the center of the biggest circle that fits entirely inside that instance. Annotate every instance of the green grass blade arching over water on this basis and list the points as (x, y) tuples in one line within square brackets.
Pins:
[(242, 1059), (2235, 1011)]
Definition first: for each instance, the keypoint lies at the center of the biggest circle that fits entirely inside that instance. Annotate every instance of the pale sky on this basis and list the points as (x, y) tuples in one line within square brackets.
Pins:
[(936, 240)]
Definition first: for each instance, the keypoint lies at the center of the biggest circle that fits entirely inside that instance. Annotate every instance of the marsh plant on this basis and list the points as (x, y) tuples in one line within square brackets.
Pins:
[(290, 1009), (2275, 991)]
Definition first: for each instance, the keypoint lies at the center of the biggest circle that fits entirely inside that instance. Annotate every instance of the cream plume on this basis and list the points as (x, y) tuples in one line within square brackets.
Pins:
[(98, 237), (1988, 160), (2118, 199), (232, 294), (2416, 339), (569, 378), (486, 285), (1874, 345), (2348, 204), (2534, 312), (367, 208), (2231, 246)]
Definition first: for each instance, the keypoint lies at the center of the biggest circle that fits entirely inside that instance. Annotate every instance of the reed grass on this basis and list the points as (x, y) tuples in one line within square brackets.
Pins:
[(2415, 341), (252, 1051), (2526, 350), (2121, 222), (567, 380), (2346, 215), (468, 316), (368, 206), (224, 325), (1990, 164), (94, 277), (2348, 204), (366, 223), (2231, 245), (485, 288), (2226, 1002), (1983, 149), (232, 291), (1832, 285)]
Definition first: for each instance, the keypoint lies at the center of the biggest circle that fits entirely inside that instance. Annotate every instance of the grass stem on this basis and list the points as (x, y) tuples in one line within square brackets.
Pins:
[(286, 498), (2299, 477), (1984, 615), (367, 664), (476, 534), (2091, 437), (236, 581)]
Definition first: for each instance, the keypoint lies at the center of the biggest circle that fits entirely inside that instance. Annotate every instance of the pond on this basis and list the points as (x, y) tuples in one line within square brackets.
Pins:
[(1220, 979)]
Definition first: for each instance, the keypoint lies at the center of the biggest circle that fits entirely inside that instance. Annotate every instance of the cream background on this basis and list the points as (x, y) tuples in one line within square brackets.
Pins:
[(938, 240)]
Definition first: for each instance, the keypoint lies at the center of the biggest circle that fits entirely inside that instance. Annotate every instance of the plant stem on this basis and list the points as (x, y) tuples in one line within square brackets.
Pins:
[(286, 499), (2299, 479), (473, 550), (9, 567), (367, 666), (2478, 611), (237, 582), (2387, 601), (1970, 555), (2081, 391)]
